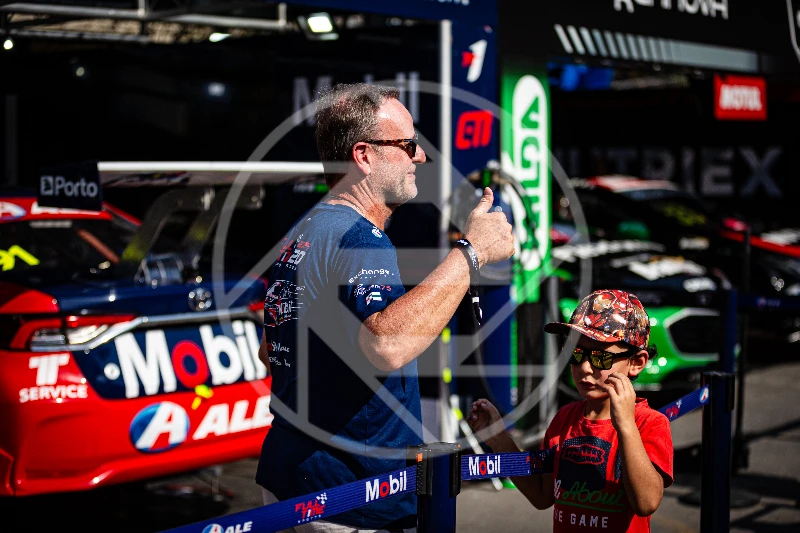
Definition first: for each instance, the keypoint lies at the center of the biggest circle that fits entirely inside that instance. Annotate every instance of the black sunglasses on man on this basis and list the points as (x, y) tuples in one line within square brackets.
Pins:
[(409, 146)]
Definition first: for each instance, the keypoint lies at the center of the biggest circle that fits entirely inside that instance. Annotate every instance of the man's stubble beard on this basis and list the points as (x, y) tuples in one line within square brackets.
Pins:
[(400, 191)]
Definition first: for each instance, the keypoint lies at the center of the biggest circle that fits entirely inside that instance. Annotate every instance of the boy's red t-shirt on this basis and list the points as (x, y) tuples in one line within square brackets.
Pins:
[(587, 472)]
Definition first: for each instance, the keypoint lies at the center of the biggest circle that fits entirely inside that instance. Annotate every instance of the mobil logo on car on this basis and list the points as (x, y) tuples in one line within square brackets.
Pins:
[(484, 465), (157, 361)]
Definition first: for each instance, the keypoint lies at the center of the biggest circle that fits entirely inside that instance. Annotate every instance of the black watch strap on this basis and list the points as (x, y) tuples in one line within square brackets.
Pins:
[(472, 257), (474, 275)]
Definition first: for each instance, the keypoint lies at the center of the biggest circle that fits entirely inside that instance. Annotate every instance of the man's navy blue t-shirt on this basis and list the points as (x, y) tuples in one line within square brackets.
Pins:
[(335, 269)]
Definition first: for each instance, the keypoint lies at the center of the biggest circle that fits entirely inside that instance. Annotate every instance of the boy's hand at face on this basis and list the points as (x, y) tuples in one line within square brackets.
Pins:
[(623, 401)]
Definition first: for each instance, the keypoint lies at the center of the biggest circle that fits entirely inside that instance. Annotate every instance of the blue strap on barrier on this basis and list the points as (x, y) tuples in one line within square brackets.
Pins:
[(684, 405), (315, 506), (337, 500), (757, 302), (542, 460), (484, 466), (487, 465)]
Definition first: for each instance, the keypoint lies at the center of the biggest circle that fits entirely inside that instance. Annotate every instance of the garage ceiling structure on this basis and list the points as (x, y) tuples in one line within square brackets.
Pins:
[(144, 21)]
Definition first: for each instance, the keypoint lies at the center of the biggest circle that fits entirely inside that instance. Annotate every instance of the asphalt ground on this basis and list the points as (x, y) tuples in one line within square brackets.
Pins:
[(765, 494)]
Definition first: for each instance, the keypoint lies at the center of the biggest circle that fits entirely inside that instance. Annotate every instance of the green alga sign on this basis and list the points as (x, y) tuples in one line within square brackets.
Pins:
[(525, 155)]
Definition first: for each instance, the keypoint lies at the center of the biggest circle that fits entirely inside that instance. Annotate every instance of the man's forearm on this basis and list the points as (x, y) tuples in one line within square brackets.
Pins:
[(395, 336)]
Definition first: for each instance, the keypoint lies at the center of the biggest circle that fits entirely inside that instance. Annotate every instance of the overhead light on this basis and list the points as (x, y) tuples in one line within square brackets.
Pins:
[(217, 37), (320, 23), (8, 44), (216, 88), (318, 26)]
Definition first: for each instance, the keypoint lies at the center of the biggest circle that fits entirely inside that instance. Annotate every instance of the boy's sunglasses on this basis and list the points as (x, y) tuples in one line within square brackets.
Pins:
[(600, 359), (409, 146)]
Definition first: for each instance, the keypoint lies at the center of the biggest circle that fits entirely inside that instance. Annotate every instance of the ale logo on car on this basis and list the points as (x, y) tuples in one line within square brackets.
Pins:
[(164, 425), (159, 427)]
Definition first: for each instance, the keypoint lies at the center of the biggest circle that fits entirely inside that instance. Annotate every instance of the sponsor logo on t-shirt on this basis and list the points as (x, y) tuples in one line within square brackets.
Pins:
[(372, 272), (377, 232), (281, 302), (584, 454), (293, 252), (580, 495), (374, 292)]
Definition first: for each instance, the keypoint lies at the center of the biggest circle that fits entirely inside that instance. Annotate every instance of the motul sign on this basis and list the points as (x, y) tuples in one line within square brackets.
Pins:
[(740, 98)]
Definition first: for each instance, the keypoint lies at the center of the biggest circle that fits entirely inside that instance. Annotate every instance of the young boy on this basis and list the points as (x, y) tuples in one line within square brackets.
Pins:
[(613, 453)]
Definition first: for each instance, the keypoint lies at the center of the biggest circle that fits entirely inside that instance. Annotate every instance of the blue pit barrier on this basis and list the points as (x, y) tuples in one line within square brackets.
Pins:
[(435, 474), (440, 463), (316, 506), (715, 485)]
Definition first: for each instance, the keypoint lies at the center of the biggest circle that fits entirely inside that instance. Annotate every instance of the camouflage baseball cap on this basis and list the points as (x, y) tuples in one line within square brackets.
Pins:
[(609, 316)]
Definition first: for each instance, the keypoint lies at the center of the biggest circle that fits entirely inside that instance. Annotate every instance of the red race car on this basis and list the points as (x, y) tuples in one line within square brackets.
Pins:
[(121, 364)]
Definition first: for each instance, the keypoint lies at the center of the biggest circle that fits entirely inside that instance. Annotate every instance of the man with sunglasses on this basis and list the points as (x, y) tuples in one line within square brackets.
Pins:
[(612, 452), (341, 334)]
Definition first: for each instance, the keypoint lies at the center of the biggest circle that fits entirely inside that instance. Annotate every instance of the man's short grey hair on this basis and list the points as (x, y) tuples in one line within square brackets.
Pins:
[(347, 114)]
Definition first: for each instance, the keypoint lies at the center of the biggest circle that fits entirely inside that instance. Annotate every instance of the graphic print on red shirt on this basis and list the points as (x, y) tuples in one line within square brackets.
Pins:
[(588, 486)]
